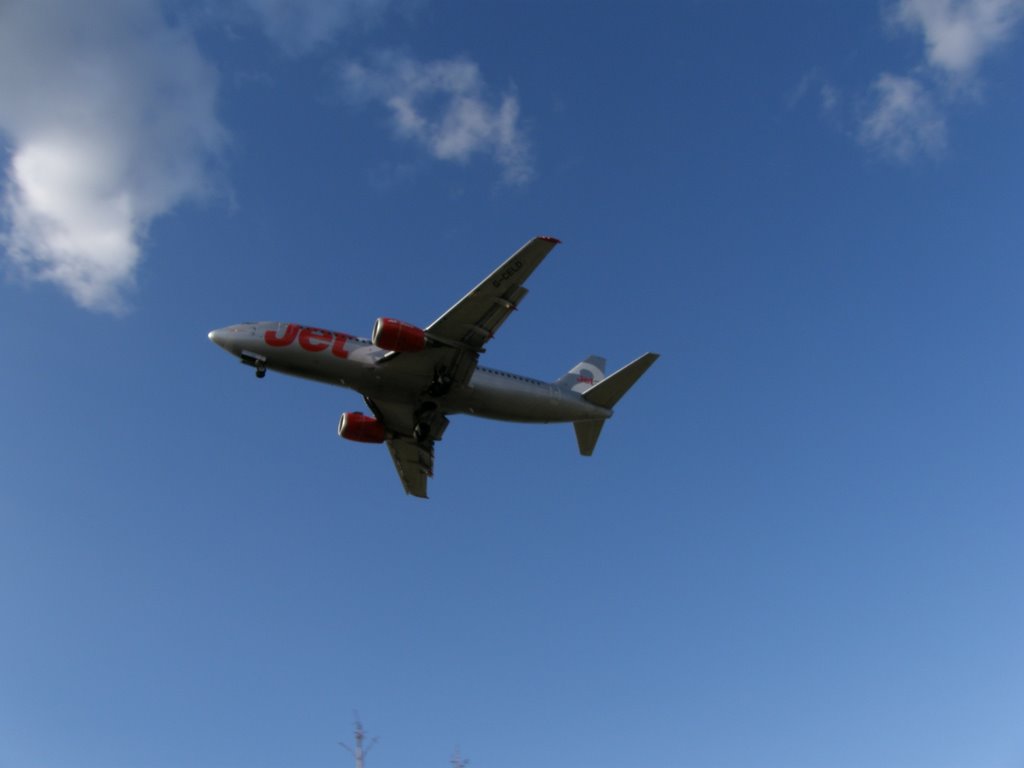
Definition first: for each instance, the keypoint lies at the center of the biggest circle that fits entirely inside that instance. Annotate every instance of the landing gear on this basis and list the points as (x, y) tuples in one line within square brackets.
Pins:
[(259, 362), (441, 384), (423, 416)]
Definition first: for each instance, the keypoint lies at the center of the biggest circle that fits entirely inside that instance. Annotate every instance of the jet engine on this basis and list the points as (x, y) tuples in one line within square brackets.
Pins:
[(397, 336), (361, 428)]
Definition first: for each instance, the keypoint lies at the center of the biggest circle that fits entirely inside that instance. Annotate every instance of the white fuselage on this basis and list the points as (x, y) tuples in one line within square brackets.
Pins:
[(353, 362)]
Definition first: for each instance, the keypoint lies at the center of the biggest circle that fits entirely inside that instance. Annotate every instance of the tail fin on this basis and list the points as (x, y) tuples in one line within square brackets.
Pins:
[(584, 375), (606, 393)]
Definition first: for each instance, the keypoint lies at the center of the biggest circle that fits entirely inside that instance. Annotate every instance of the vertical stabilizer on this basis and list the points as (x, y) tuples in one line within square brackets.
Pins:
[(584, 374)]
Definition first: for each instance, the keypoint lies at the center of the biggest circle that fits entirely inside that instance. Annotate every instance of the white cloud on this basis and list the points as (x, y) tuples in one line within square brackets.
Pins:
[(443, 106), (904, 121), (108, 113), (908, 116), (298, 26), (958, 33)]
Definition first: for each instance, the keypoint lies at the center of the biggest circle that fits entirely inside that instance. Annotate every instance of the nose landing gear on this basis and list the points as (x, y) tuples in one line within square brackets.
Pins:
[(259, 362)]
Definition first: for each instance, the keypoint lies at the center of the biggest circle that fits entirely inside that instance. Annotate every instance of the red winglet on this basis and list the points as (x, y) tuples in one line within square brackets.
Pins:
[(550, 239)]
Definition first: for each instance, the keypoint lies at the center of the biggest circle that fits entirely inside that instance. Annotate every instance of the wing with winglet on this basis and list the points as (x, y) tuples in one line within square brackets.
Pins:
[(476, 317), (458, 336)]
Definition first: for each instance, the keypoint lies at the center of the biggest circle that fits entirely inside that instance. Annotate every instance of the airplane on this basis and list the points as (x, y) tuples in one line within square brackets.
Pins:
[(412, 379)]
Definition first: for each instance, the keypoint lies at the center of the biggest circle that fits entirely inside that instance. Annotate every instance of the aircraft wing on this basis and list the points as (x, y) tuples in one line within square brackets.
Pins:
[(414, 459), (475, 318)]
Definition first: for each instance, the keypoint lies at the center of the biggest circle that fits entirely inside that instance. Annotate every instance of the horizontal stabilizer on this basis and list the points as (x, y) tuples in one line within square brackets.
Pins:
[(609, 391)]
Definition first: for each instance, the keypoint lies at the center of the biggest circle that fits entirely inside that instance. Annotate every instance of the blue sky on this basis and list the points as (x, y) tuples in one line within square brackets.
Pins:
[(798, 542)]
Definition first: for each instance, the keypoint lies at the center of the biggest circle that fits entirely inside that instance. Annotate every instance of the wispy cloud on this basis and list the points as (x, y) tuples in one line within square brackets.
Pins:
[(904, 121), (814, 84), (906, 118), (443, 105), (299, 26), (108, 113)]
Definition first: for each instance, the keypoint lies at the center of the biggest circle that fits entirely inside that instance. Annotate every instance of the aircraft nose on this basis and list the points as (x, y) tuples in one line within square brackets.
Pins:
[(218, 337)]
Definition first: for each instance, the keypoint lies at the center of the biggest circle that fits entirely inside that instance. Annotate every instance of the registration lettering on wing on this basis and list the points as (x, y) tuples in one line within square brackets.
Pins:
[(506, 273)]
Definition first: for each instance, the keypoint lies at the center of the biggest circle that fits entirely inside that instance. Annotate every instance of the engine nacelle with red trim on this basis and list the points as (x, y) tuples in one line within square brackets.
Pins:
[(396, 336), (361, 428)]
